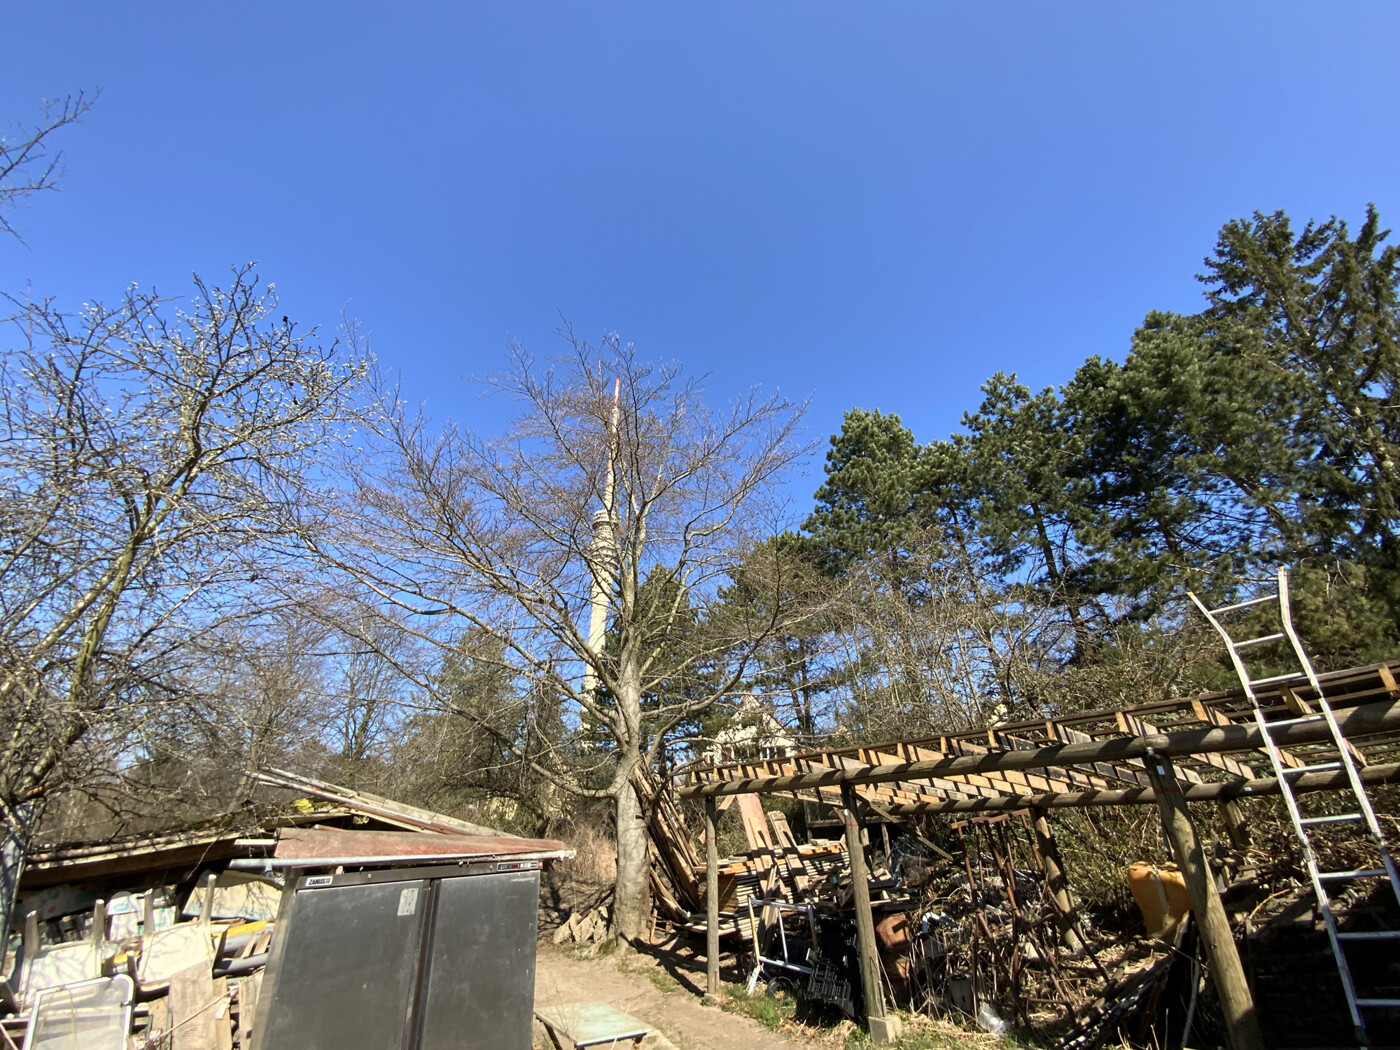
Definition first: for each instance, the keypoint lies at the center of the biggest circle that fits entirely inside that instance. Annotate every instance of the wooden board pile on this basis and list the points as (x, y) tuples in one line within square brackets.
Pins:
[(586, 926), (674, 858)]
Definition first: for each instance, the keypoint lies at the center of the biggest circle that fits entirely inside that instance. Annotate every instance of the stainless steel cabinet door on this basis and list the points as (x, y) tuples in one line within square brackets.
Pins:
[(350, 969), (481, 973)]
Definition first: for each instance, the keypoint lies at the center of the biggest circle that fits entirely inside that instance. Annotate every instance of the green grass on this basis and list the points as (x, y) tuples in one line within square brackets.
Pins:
[(858, 1040), (665, 983), (604, 948), (919, 1037), (629, 963), (767, 1011)]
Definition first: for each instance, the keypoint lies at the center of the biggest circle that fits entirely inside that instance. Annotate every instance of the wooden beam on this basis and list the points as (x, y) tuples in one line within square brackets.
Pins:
[(1229, 765), (1349, 687), (1235, 825), (1211, 716), (1376, 774), (1236, 1000), (711, 899), (1388, 681), (1055, 879), (1358, 721), (879, 1023), (911, 830)]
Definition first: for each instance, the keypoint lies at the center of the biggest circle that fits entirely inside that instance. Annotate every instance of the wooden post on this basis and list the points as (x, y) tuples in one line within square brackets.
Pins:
[(1236, 1000), (1235, 825), (1055, 880), (711, 899), (884, 1028)]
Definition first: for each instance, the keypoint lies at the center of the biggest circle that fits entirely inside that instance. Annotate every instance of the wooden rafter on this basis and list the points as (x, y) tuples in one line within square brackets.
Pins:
[(1085, 757)]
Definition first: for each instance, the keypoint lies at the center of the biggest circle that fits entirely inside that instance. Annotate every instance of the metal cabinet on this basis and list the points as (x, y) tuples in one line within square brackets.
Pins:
[(423, 959)]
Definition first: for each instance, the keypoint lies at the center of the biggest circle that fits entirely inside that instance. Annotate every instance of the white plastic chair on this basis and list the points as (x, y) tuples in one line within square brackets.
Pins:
[(164, 953), (49, 966), (89, 1015)]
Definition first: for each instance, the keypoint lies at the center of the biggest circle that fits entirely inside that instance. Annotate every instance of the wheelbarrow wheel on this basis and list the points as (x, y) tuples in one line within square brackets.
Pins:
[(781, 988)]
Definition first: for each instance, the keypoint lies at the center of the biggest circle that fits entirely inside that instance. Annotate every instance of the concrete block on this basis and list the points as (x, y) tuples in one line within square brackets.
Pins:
[(885, 1030)]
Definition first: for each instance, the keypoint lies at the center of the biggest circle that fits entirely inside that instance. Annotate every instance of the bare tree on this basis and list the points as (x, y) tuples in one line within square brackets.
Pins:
[(156, 468), (249, 691), (366, 689), (28, 162), (457, 532)]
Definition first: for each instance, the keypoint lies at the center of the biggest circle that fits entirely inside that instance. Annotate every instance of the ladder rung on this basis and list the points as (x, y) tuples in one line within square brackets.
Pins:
[(1369, 935), (1340, 818), (1278, 678), (1359, 873), (1294, 721), (1378, 1004), (1260, 641), (1320, 767), (1245, 605)]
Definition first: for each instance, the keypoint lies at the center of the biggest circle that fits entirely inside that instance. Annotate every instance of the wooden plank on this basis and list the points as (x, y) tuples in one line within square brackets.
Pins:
[(792, 856), (1214, 717), (1372, 774), (248, 994), (1387, 678), (223, 1020), (755, 824), (158, 1020), (192, 1005)]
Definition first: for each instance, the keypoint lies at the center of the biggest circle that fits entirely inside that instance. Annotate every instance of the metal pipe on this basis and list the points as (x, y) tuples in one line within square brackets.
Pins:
[(266, 863), (234, 967)]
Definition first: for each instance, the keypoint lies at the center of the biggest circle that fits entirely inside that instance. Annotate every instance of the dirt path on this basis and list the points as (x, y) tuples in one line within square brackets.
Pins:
[(657, 990)]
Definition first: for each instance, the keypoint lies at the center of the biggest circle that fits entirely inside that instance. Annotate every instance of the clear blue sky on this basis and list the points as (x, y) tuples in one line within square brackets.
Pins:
[(874, 204)]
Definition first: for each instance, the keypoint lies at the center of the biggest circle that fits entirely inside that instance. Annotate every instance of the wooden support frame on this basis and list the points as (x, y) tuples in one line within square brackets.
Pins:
[(1227, 789), (711, 898), (1236, 827), (884, 1026), (1379, 717), (1236, 1000), (1101, 758), (1055, 879)]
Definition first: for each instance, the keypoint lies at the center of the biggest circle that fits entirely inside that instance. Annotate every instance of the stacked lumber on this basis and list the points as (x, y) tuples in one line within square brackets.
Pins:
[(763, 874), (796, 873), (675, 890)]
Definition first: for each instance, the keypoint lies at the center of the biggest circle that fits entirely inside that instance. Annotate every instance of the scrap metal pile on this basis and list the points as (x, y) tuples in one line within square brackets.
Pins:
[(979, 936), (980, 932), (993, 933)]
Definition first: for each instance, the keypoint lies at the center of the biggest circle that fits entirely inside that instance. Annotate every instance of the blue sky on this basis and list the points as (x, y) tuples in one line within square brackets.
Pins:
[(874, 205)]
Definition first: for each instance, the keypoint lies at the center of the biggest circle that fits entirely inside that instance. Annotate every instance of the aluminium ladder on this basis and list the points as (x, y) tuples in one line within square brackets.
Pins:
[(1363, 813)]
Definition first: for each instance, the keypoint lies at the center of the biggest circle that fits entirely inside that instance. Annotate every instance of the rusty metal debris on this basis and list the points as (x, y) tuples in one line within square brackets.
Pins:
[(981, 924)]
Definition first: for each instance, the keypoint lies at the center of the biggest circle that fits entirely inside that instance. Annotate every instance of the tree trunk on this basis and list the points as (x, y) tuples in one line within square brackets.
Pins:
[(630, 890), (630, 899), (12, 856)]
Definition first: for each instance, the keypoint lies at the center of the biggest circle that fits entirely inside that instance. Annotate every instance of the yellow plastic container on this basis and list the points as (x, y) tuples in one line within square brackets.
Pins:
[(1160, 892)]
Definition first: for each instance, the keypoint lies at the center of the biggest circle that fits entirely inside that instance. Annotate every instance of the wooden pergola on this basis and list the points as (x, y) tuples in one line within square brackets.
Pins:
[(1168, 753)]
